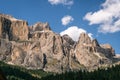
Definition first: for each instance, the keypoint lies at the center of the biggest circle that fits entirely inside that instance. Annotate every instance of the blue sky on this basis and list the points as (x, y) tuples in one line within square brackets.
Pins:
[(94, 17)]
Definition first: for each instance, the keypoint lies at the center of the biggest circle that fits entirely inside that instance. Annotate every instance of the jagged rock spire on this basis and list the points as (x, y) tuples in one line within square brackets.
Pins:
[(95, 43), (41, 26), (84, 38)]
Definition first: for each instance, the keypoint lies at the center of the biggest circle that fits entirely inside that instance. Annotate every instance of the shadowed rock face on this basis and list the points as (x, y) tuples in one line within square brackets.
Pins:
[(95, 43), (41, 26), (38, 47), (108, 49), (68, 40), (4, 27)]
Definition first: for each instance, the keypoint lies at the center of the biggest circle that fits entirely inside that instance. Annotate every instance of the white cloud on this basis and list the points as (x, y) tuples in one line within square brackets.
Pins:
[(110, 28), (74, 32), (66, 20), (108, 17), (64, 2)]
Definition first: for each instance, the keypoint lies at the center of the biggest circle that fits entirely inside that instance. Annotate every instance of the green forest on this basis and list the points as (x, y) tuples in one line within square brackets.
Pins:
[(20, 73)]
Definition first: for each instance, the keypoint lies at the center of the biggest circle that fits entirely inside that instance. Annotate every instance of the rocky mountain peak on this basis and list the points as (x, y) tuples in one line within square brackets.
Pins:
[(13, 29), (38, 47), (95, 42), (11, 18), (41, 27), (84, 38), (68, 39), (108, 48)]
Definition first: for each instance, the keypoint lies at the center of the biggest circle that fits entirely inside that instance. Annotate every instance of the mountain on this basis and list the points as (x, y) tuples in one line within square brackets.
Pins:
[(38, 47)]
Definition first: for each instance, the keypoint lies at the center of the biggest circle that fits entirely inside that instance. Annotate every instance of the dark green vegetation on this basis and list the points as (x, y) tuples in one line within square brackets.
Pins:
[(19, 73), (112, 73), (2, 76)]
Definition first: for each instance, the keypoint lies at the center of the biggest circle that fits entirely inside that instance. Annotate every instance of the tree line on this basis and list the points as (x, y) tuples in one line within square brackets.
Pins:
[(19, 73)]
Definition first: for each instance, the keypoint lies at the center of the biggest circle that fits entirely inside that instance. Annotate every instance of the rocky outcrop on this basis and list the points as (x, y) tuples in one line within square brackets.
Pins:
[(68, 40), (45, 53), (109, 51), (5, 50), (41, 27), (38, 47), (84, 39), (13, 29), (88, 52), (19, 30)]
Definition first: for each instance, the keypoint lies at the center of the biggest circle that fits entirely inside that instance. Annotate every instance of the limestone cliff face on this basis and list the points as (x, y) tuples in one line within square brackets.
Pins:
[(38, 47), (46, 52), (13, 29), (19, 30), (89, 53)]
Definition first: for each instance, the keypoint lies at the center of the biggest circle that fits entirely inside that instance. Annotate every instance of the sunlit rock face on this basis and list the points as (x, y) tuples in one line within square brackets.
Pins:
[(38, 47), (89, 53), (13, 29)]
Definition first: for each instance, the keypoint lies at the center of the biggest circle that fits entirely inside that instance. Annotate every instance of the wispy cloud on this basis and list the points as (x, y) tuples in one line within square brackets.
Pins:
[(63, 2), (74, 32), (66, 20), (108, 17)]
